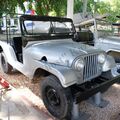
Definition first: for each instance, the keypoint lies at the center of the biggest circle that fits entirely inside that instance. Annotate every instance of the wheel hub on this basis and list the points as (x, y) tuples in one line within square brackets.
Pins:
[(52, 97)]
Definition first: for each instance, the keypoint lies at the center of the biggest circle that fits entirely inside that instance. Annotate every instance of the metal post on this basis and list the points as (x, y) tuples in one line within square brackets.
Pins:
[(75, 112), (98, 101), (97, 98)]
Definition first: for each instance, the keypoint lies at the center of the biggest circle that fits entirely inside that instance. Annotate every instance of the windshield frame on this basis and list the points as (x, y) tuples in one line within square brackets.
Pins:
[(45, 19)]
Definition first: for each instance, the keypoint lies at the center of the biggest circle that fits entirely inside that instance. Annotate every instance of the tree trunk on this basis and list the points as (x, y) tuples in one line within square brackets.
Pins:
[(85, 7), (70, 8)]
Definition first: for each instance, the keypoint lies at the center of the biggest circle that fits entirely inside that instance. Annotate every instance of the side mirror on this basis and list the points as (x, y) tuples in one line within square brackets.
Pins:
[(76, 37)]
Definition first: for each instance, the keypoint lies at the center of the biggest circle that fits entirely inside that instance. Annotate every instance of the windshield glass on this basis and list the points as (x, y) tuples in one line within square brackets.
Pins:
[(45, 27)]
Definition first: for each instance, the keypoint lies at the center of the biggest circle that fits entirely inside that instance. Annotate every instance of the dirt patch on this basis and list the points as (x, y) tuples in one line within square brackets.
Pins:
[(18, 80)]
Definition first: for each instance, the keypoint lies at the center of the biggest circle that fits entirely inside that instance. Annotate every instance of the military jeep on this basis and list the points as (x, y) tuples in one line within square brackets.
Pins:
[(47, 46)]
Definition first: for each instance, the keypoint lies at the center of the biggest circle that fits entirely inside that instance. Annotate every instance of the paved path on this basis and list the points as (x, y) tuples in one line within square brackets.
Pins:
[(22, 104)]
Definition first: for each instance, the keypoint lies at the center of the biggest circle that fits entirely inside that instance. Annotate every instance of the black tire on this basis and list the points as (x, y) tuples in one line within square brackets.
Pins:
[(6, 67), (57, 100)]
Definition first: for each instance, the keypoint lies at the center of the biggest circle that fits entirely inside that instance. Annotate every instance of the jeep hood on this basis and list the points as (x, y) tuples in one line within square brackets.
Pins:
[(61, 52)]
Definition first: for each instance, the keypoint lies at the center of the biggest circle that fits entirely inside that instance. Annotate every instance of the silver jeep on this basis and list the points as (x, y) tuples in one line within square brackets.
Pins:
[(47, 47)]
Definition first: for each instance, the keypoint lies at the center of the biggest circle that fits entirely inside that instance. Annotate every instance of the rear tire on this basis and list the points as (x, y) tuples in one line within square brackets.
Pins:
[(6, 67), (57, 100)]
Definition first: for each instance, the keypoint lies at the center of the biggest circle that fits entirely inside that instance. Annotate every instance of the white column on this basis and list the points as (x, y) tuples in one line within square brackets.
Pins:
[(70, 8), (4, 21), (12, 22), (18, 24)]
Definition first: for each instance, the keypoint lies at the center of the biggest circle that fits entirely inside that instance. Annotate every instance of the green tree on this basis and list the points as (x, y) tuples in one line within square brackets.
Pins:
[(9, 6), (114, 10), (78, 6), (59, 7), (44, 7)]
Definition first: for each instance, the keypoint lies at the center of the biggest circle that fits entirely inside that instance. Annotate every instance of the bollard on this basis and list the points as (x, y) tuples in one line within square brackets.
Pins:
[(75, 112), (97, 98)]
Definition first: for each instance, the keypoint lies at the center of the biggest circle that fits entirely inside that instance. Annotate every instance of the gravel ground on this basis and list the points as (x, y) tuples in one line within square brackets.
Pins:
[(111, 112)]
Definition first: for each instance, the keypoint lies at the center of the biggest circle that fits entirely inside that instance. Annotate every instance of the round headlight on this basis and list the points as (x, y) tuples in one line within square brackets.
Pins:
[(79, 64), (101, 58)]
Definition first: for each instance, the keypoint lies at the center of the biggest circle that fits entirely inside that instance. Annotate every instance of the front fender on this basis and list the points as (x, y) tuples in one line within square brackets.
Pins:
[(109, 63), (66, 75)]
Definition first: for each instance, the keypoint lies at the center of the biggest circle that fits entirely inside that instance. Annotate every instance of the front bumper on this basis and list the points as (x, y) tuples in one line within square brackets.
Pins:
[(90, 88)]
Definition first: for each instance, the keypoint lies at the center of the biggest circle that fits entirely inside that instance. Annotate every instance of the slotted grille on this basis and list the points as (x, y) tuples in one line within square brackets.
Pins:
[(91, 68)]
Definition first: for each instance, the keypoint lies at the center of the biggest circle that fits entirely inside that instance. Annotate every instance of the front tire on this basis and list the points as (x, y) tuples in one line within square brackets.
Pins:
[(57, 100), (6, 67)]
